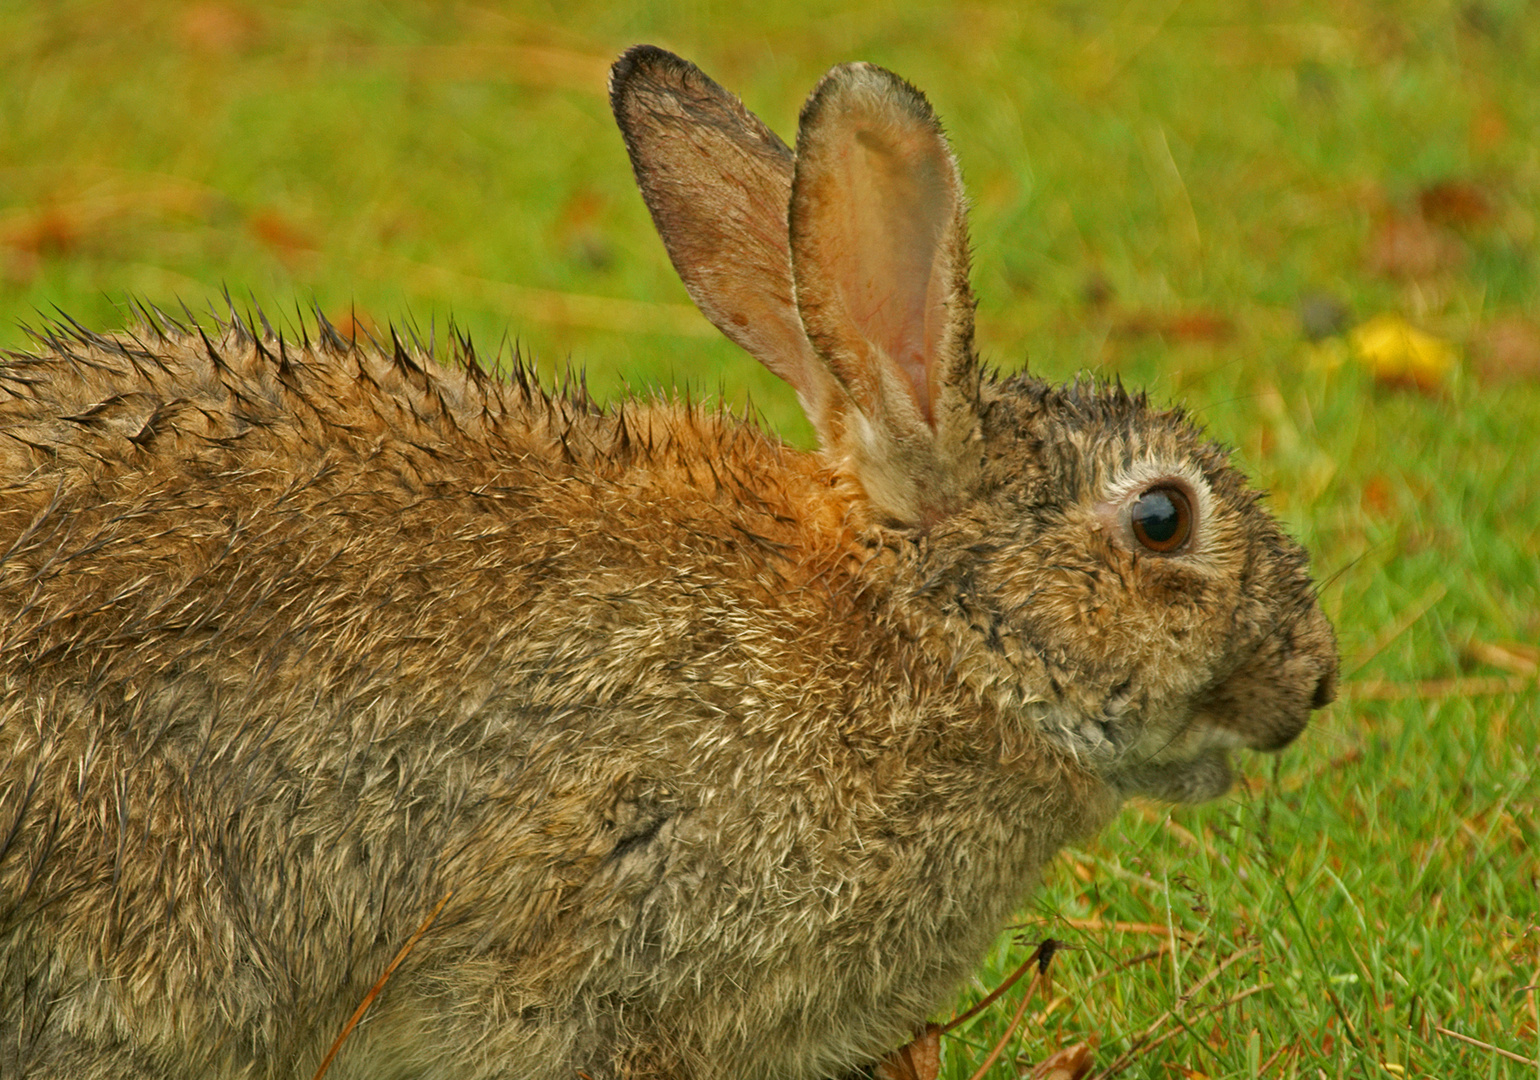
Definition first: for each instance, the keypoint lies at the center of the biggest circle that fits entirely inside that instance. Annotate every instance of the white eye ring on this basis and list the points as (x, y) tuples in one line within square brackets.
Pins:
[(1189, 493)]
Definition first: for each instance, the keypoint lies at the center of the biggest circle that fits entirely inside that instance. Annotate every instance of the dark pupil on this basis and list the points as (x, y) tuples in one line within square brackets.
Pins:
[(1157, 517)]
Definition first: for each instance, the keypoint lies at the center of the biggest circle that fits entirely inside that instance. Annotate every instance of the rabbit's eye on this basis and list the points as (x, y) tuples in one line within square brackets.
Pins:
[(1162, 519)]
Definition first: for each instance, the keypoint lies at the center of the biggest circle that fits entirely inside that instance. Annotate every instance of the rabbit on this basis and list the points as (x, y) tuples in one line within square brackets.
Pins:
[(715, 757)]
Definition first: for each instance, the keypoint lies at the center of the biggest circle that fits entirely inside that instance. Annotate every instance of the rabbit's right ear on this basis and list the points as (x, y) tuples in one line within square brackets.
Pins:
[(879, 253), (718, 182)]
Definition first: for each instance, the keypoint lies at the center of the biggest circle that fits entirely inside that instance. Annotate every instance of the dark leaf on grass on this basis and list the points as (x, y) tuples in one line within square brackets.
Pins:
[(1066, 1063), (1379, 497), (355, 325), (582, 230), (1322, 315), (46, 230), (1097, 291), (280, 234), (1458, 204), (1187, 326), (919, 1059)]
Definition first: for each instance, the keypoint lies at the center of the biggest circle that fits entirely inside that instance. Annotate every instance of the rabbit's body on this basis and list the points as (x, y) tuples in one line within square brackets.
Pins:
[(733, 758), (313, 649)]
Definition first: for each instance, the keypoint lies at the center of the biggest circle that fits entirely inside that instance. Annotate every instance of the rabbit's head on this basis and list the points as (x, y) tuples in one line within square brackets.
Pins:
[(1091, 564)]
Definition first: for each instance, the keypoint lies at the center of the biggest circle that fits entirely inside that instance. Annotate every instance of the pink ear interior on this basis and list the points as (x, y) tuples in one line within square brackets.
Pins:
[(876, 205), (898, 204)]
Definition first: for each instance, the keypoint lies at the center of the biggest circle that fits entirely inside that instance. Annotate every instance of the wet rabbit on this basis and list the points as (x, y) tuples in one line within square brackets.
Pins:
[(731, 759)]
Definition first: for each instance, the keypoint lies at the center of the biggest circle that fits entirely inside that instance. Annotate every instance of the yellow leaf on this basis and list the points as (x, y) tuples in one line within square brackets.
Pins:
[(1394, 351)]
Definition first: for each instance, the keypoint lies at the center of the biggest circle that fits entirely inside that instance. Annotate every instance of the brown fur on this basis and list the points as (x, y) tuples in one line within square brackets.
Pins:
[(734, 758)]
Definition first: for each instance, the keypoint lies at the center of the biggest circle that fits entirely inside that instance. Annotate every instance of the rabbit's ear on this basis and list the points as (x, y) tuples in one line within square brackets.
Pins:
[(879, 250), (718, 182)]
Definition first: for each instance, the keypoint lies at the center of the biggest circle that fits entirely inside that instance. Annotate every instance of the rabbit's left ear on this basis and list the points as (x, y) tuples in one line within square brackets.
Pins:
[(717, 182), (879, 252)]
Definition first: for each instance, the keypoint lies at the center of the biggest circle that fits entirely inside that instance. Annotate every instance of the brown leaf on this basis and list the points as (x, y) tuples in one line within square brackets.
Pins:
[(1066, 1063), (1508, 349), (47, 230), (1379, 498), (919, 1059), (582, 230), (1097, 291), (355, 325), (1188, 326), (1408, 246), (1456, 203), (278, 232), (1488, 128)]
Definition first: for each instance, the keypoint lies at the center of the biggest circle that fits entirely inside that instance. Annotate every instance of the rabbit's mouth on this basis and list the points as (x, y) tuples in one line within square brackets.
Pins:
[(1198, 779), (1191, 766)]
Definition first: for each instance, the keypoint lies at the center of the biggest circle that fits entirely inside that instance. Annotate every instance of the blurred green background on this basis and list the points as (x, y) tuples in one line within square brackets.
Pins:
[(1315, 224)]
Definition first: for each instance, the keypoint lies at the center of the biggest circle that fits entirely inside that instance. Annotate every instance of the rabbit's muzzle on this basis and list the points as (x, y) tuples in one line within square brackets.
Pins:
[(1267, 701)]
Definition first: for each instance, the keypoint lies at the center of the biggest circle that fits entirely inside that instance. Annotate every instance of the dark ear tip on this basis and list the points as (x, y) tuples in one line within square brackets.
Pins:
[(860, 79), (641, 60)]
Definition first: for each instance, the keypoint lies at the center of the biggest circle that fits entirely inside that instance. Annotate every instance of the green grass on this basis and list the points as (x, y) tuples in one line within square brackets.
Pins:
[(1200, 168)]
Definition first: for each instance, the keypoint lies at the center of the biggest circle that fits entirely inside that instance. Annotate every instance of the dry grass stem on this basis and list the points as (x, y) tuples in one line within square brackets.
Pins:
[(1148, 1039), (1499, 1051), (1437, 689), (558, 308), (1021, 1011), (1118, 927), (374, 991), (1382, 640), (1037, 958)]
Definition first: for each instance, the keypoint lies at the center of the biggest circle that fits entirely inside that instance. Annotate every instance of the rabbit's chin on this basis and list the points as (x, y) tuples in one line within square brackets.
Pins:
[(1199, 779)]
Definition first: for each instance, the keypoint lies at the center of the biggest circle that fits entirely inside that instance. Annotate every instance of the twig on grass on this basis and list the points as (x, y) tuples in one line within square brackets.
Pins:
[(1148, 1041), (1118, 927), (1041, 957), (1142, 1039), (1498, 1050)]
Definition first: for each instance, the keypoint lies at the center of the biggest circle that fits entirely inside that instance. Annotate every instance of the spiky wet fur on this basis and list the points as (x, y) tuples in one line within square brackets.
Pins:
[(297, 638)]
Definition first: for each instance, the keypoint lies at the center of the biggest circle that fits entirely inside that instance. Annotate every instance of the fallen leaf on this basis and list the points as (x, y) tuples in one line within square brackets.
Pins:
[(47, 230), (278, 232), (1488, 128), (581, 228), (1456, 203), (1097, 291), (1378, 497), (919, 1059), (1398, 354), (1508, 349), (354, 325), (1066, 1063), (1409, 246), (1190, 326)]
